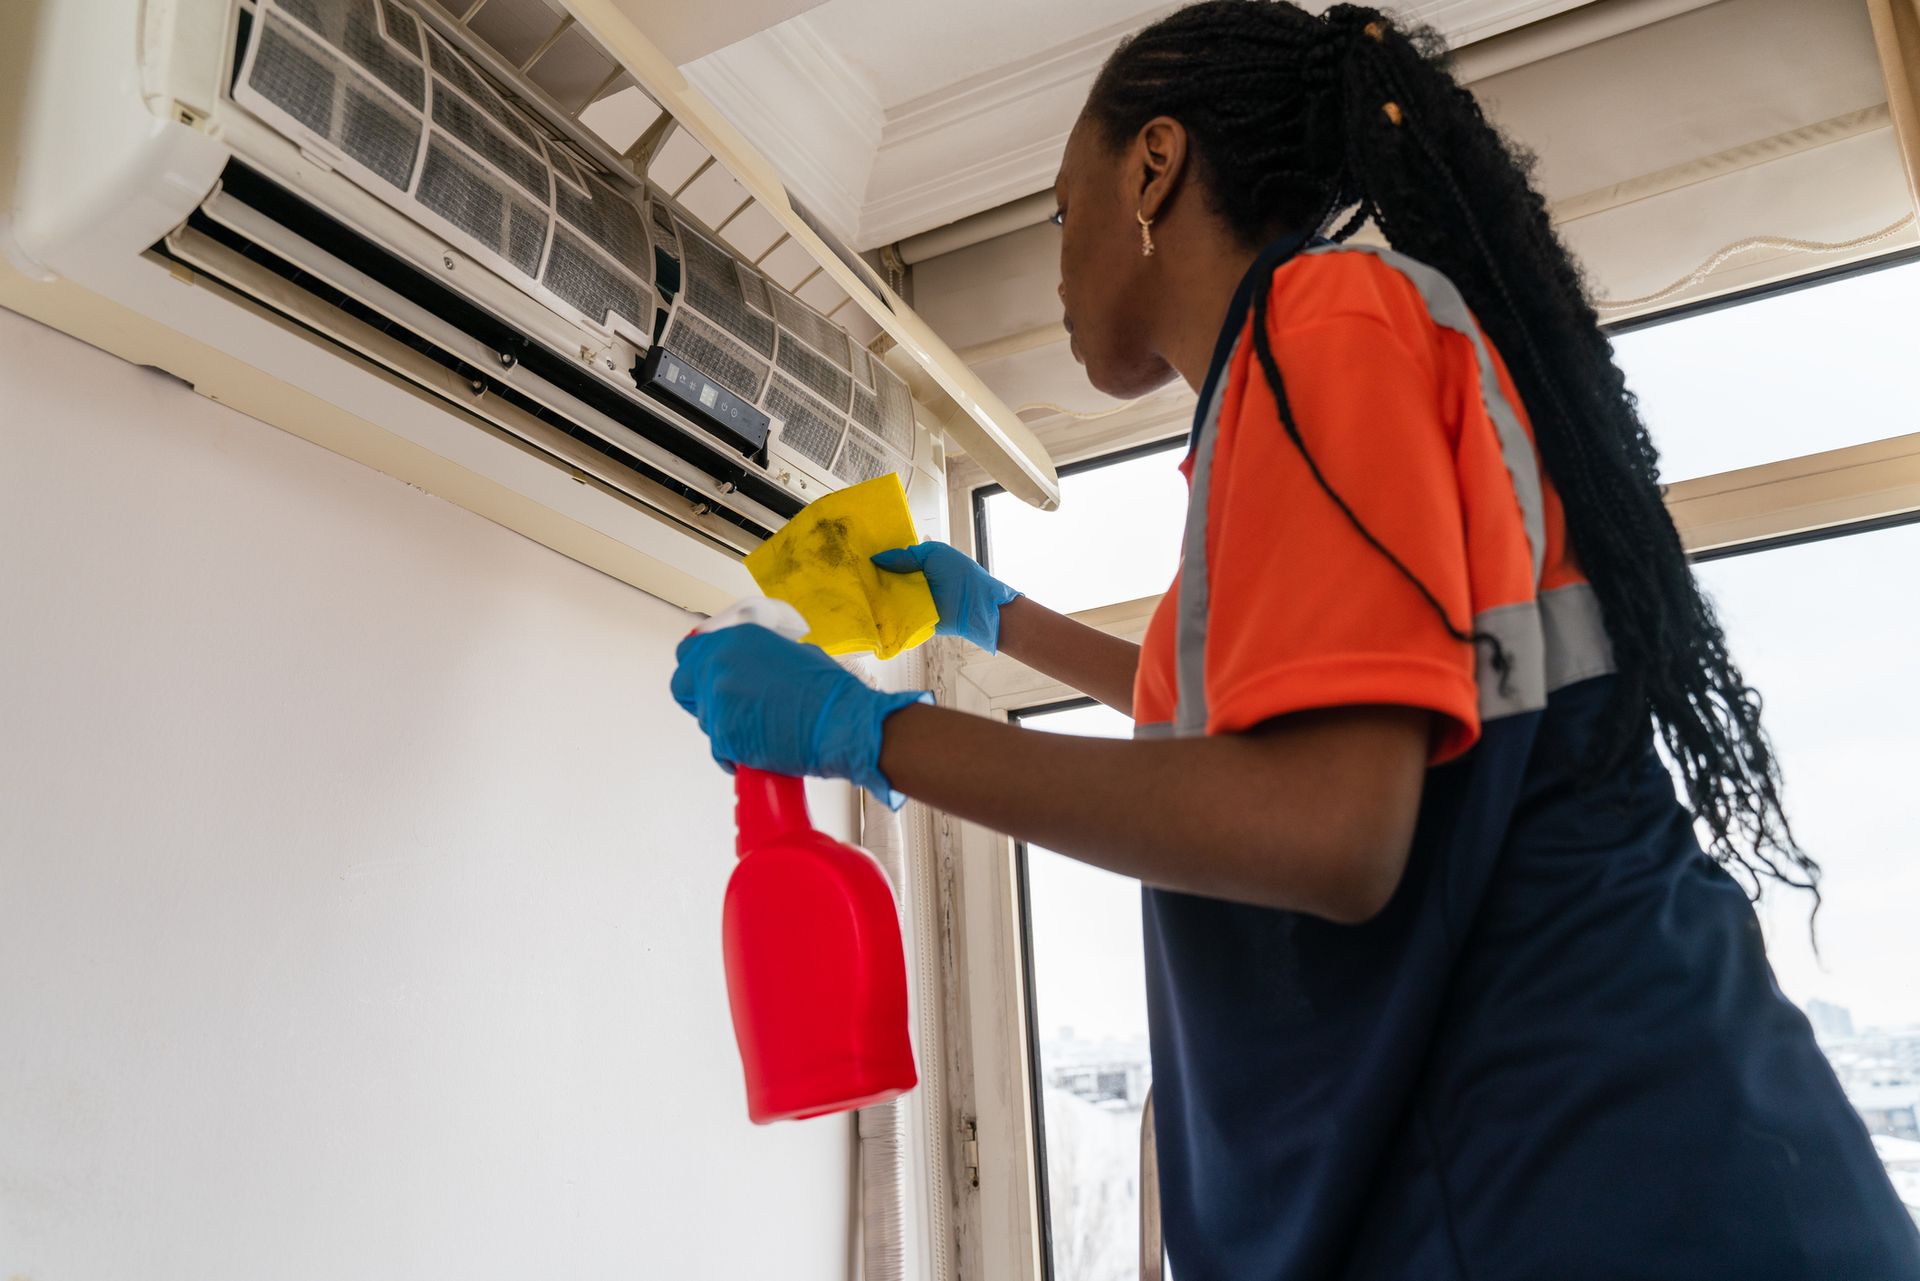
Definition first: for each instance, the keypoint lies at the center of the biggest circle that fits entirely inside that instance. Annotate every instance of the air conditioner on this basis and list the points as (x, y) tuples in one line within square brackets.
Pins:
[(505, 254)]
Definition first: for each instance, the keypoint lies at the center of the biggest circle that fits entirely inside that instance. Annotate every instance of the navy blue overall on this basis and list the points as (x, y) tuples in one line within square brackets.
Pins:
[(1558, 1053)]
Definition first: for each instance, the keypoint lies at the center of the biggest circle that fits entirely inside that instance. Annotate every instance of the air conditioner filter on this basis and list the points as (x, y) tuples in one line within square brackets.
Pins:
[(841, 411), (415, 123)]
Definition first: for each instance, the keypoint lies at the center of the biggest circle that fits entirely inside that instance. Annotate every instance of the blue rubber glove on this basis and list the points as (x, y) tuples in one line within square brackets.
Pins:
[(783, 706), (967, 596)]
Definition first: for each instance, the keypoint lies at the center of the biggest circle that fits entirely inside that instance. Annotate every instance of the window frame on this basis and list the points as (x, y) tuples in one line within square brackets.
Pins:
[(1826, 494), (993, 1058), (982, 538), (1036, 1085), (1023, 907), (1748, 511)]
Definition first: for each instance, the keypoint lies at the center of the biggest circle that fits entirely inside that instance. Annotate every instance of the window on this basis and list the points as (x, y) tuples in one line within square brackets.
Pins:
[(1797, 372), (1825, 631), (1086, 977), (1822, 632), (1115, 538)]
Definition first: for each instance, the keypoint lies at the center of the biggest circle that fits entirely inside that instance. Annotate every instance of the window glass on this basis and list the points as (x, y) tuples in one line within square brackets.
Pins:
[(1796, 373), (1088, 976), (1115, 537), (1825, 631), (1820, 633)]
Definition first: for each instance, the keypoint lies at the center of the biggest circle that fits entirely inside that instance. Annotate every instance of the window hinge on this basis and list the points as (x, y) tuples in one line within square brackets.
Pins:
[(970, 1148)]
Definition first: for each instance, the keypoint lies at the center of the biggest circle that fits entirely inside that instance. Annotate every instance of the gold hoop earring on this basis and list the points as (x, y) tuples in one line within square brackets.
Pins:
[(1146, 234)]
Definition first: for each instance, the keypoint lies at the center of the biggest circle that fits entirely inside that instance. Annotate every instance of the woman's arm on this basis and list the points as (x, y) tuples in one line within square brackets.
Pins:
[(1312, 812), (1085, 658), (985, 611)]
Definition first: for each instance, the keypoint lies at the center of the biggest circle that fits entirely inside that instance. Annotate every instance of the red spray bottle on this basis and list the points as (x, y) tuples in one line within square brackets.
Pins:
[(816, 974)]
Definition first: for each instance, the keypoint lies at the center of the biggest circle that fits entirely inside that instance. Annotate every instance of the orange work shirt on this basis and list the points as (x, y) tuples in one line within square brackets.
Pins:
[(1302, 612)]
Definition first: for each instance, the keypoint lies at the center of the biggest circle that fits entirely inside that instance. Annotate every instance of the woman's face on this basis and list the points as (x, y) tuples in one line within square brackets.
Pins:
[(1107, 285)]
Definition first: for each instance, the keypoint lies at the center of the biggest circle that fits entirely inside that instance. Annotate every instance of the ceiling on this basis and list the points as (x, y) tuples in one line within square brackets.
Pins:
[(1682, 154), (892, 117)]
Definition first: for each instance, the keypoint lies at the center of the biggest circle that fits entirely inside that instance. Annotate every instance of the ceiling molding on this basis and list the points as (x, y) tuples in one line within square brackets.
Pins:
[(808, 112), (1465, 21), (990, 179), (1075, 62), (878, 174), (946, 154), (1564, 29), (844, 89)]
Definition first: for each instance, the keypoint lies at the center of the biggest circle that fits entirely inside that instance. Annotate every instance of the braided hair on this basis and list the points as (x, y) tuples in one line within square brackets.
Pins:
[(1295, 121)]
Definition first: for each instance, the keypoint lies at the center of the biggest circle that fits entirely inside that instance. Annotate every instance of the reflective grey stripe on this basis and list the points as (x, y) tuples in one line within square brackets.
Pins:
[(1449, 311), (1552, 641), (1524, 689), (1576, 634), (1190, 623), (1154, 729)]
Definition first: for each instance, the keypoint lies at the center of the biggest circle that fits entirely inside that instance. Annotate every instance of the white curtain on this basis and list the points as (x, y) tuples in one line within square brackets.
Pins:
[(1666, 145), (1896, 31)]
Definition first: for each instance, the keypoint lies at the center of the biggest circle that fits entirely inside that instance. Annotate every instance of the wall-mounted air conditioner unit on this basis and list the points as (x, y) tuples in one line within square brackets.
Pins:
[(504, 254)]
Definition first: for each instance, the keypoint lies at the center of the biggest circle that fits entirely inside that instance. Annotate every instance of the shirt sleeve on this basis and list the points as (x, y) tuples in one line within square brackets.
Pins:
[(1304, 612)]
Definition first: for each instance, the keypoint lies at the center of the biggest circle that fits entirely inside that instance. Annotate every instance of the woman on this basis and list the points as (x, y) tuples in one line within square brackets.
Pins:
[(1440, 982)]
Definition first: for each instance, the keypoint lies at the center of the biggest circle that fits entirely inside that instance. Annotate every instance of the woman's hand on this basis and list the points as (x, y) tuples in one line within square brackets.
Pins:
[(967, 596), (771, 703), (975, 605)]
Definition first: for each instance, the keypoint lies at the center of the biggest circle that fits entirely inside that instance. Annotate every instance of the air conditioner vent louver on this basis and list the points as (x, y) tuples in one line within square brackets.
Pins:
[(728, 318), (712, 284), (492, 145), (714, 354), (403, 26), (332, 102), (813, 371), (820, 333), (896, 407), (454, 68), (810, 431), (663, 232), (350, 77), (582, 277), (754, 289), (354, 29), (607, 220), (861, 458)]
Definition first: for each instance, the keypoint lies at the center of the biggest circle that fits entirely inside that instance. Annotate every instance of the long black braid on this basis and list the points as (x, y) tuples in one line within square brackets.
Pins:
[(1296, 121)]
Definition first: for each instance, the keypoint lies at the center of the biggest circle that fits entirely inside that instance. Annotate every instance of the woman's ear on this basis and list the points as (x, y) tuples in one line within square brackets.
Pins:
[(1161, 149)]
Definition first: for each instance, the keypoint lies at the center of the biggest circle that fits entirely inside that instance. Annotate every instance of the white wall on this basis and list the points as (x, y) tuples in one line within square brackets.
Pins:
[(360, 882)]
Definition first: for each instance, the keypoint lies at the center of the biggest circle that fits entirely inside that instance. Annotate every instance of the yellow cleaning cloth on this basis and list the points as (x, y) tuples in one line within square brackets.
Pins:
[(818, 563)]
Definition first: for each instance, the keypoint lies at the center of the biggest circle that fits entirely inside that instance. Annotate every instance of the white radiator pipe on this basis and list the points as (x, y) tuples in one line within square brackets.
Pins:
[(883, 1129)]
